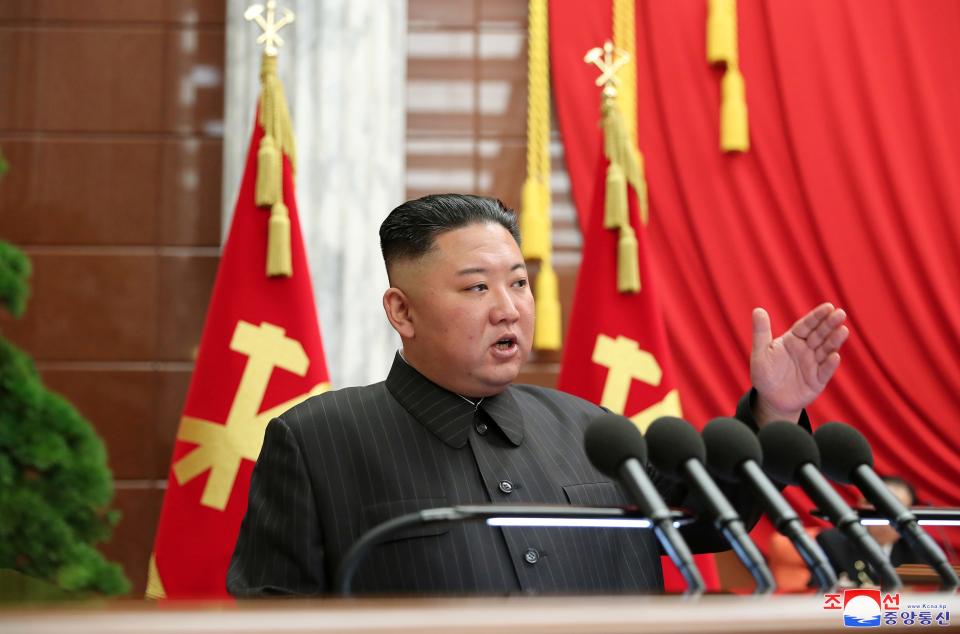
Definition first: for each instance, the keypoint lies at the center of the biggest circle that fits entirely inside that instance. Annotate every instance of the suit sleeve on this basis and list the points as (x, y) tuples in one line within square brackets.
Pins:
[(702, 536), (279, 550)]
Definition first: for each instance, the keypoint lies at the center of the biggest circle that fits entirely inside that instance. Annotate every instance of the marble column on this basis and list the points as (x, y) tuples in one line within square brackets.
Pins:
[(343, 65)]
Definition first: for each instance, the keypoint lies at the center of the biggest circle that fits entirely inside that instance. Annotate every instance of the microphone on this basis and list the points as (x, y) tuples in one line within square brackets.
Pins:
[(616, 448), (734, 454), (791, 457), (676, 450), (847, 458)]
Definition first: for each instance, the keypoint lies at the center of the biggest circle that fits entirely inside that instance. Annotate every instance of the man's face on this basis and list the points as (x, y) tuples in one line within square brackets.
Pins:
[(470, 310)]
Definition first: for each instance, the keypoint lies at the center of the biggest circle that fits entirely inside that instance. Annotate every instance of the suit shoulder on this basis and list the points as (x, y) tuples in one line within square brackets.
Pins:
[(335, 406), (565, 406)]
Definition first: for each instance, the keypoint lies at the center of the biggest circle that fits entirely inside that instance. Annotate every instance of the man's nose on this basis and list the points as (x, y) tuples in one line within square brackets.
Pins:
[(504, 308)]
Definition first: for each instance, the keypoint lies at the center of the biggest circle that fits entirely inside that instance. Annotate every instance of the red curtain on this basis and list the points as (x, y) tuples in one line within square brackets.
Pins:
[(850, 193)]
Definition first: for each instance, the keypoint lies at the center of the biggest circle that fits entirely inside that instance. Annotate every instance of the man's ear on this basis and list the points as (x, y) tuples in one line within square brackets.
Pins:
[(397, 306)]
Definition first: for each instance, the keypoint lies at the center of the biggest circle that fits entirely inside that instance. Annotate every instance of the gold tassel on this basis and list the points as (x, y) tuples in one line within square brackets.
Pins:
[(734, 126), (278, 242), (721, 31), (268, 173), (277, 141), (722, 46), (534, 223), (628, 264), (615, 203), (547, 332), (643, 202)]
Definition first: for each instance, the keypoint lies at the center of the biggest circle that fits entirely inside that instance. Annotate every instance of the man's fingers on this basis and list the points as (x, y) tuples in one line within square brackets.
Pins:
[(809, 322), (827, 327), (828, 367), (761, 330), (833, 343)]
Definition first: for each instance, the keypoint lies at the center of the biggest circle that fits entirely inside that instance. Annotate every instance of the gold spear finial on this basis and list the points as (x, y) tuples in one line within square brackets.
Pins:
[(625, 166), (609, 59), (270, 25)]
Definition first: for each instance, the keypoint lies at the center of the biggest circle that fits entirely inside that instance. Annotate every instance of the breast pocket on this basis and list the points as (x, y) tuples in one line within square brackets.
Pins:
[(376, 514), (594, 494), (413, 559)]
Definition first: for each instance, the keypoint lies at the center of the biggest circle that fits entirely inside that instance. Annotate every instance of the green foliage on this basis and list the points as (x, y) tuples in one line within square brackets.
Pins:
[(14, 271), (55, 487)]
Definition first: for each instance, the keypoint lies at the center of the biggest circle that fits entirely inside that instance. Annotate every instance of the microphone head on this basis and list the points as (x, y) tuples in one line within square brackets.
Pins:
[(672, 442), (842, 449), (787, 447), (610, 439), (729, 444)]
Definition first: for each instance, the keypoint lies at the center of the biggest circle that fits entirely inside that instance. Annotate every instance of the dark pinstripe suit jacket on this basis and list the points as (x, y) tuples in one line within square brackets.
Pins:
[(340, 463)]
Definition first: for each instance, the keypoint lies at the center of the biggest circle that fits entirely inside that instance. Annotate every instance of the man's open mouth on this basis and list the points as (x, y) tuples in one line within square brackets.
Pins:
[(506, 343)]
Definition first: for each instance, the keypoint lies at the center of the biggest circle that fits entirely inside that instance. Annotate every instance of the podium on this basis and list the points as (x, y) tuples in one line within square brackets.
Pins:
[(514, 615), (922, 575)]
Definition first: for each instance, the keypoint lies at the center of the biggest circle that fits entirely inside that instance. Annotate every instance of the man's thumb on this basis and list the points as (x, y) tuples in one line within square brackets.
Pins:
[(762, 335)]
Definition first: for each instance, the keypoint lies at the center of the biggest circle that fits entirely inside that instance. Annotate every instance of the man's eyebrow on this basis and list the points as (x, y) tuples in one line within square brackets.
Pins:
[(480, 269)]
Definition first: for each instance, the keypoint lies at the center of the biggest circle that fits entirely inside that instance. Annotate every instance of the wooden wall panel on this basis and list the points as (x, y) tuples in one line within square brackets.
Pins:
[(190, 187), (177, 12), (90, 306), (111, 116), (82, 79), (183, 306), (80, 191)]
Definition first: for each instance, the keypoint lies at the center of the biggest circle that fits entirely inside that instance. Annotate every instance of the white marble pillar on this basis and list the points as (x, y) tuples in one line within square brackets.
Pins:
[(343, 66)]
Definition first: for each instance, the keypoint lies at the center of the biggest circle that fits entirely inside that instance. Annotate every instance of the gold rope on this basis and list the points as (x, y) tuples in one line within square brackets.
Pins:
[(277, 140), (625, 39), (535, 223), (723, 47), (619, 121), (621, 170)]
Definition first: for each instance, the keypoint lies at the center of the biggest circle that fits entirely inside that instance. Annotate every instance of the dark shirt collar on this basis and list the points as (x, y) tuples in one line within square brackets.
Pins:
[(447, 415)]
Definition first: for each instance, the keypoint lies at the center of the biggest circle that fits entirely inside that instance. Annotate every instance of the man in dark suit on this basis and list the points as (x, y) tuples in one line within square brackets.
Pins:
[(850, 563), (449, 427)]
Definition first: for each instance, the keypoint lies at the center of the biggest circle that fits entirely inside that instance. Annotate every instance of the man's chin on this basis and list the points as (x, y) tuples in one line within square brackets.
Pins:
[(499, 380)]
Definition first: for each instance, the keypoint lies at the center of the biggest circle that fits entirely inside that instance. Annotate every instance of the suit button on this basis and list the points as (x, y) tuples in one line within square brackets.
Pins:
[(506, 486), (531, 556), (482, 428)]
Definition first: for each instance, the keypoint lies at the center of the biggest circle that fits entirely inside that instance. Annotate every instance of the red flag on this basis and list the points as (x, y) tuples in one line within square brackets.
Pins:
[(260, 354), (616, 351)]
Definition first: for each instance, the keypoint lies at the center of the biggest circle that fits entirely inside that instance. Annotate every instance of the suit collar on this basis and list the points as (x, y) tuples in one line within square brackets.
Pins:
[(447, 415)]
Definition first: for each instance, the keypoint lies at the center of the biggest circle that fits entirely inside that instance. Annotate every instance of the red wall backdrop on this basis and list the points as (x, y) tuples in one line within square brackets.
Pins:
[(850, 193)]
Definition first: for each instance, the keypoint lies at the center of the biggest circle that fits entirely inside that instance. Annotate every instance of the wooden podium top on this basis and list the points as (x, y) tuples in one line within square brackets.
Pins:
[(556, 615), (921, 574)]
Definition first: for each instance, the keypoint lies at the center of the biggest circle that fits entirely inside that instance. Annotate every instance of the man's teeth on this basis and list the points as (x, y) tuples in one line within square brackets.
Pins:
[(504, 344)]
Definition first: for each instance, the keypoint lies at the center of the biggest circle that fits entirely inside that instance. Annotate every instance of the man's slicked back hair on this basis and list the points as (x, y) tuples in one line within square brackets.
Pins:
[(409, 231)]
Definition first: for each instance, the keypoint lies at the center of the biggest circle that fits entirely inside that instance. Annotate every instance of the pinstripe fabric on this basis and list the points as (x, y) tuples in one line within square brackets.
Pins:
[(340, 463)]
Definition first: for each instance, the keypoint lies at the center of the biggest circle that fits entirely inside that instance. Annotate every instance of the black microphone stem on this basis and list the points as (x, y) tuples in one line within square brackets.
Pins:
[(875, 490), (785, 520), (731, 527), (648, 500), (845, 519)]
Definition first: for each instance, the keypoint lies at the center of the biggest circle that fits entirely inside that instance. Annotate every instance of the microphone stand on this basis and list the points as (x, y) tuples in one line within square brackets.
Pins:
[(496, 515), (785, 520)]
